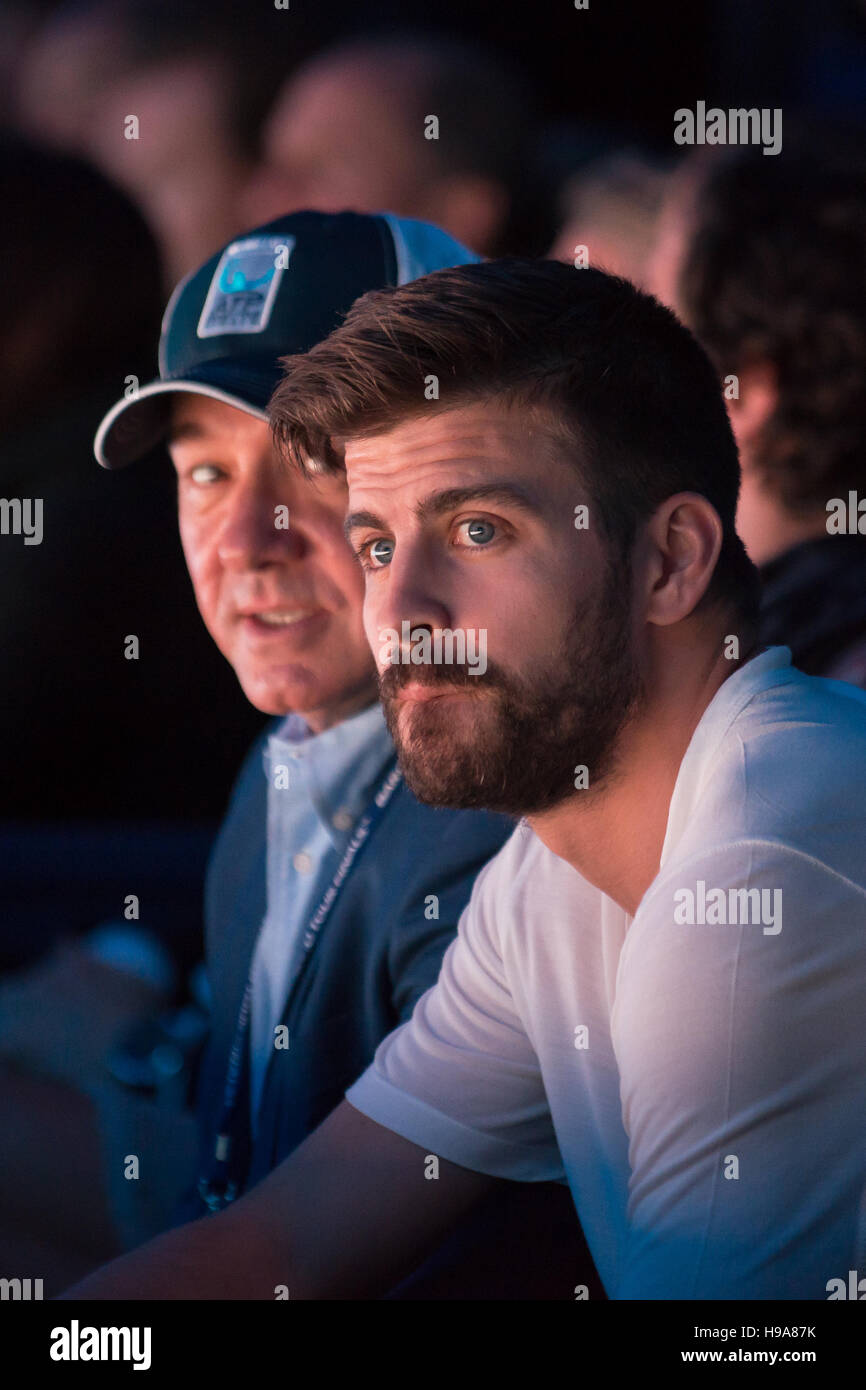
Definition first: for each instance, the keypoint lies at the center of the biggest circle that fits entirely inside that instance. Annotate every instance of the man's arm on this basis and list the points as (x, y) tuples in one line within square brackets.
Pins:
[(346, 1215)]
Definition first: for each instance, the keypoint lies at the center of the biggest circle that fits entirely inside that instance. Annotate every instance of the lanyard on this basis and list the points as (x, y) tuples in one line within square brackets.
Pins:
[(221, 1186)]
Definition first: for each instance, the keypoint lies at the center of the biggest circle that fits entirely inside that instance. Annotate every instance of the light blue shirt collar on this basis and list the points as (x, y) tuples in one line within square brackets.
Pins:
[(311, 814), (336, 769)]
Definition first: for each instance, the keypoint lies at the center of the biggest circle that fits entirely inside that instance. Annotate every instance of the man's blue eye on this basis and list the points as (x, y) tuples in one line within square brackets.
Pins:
[(381, 552), (480, 532)]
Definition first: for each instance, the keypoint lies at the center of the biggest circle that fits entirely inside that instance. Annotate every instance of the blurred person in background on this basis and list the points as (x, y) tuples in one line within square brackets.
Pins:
[(611, 207), (71, 53), (351, 129), (763, 259), (114, 771), (198, 76), (18, 21), (89, 734)]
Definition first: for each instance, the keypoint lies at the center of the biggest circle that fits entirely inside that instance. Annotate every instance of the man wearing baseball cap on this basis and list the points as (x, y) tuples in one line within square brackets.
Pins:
[(332, 893)]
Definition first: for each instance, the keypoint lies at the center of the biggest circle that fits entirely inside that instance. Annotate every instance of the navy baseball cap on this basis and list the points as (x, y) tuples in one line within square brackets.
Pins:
[(280, 289)]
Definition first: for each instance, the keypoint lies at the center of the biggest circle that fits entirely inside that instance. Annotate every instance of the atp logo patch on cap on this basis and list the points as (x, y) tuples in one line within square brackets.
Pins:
[(244, 286)]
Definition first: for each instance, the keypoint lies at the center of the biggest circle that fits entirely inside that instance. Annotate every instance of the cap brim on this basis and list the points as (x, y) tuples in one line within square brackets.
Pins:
[(138, 423)]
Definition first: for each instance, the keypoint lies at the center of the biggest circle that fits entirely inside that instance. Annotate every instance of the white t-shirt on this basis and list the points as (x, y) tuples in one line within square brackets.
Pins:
[(696, 1073)]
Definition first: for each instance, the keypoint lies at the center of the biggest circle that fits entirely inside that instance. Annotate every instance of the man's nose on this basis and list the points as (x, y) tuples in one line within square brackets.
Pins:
[(415, 593), (258, 530)]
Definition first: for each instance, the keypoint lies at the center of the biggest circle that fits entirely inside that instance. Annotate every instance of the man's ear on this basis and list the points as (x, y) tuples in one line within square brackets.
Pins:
[(754, 406), (680, 548)]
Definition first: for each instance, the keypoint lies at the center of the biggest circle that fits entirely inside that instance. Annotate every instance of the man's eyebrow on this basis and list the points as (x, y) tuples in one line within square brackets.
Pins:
[(511, 494), (355, 520), (508, 493)]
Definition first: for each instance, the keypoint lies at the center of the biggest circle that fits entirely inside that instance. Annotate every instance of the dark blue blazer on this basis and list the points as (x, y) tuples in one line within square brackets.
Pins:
[(377, 954)]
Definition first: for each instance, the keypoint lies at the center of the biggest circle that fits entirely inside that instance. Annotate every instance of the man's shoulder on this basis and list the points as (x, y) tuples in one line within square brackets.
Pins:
[(784, 783), (800, 739), (789, 769), (797, 702), (246, 812), (802, 749)]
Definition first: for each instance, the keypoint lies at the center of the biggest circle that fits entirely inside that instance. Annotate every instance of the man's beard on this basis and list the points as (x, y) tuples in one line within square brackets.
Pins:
[(528, 734)]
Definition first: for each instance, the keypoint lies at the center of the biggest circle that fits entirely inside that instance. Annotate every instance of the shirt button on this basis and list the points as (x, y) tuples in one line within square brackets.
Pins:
[(302, 862), (342, 819)]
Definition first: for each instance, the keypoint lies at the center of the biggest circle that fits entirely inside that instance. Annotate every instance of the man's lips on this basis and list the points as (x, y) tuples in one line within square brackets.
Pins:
[(283, 615), (285, 620), (422, 694)]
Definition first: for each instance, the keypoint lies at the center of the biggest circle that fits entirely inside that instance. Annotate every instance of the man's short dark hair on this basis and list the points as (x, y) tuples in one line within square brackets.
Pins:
[(606, 369), (776, 273)]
